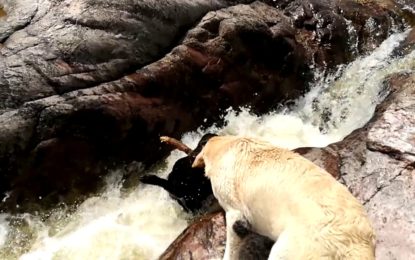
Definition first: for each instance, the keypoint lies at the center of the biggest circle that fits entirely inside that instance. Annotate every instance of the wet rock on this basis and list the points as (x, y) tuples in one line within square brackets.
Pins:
[(217, 65), (204, 239), (378, 166), (336, 31), (53, 47), (327, 158), (55, 59)]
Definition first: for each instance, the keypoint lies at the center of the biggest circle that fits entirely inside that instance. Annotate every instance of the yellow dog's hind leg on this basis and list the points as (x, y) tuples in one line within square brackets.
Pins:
[(290, 246)]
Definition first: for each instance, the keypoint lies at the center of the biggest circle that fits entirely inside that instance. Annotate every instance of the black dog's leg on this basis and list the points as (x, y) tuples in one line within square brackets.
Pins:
[(253, 246), (165, 184), (242, 228)]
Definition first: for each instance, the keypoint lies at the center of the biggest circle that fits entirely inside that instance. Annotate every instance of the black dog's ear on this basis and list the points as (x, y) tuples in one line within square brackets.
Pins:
[(206, 138)]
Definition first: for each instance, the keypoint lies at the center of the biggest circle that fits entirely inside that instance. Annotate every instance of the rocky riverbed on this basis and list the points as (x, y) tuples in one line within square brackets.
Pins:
[(87, 86)]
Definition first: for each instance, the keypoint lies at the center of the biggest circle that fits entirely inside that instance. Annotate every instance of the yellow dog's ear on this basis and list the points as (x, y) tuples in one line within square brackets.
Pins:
[(199, 162)]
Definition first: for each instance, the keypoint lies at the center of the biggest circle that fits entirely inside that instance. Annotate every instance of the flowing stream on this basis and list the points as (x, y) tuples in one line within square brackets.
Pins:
[(140, 223)]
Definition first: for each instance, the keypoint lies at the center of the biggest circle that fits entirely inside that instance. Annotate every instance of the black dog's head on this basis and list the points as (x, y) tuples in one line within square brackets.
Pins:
[(201, 144)]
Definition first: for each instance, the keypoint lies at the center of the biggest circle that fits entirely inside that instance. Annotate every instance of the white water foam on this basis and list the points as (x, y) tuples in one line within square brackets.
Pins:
[(139, 225), (142, 223), (4, 229)]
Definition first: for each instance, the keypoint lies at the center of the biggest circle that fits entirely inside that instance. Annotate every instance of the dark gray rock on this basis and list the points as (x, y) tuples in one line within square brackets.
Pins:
[(50, 51), (53, 47)]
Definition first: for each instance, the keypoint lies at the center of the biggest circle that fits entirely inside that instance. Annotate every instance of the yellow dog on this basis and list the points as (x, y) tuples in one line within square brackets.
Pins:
[(287, 198)]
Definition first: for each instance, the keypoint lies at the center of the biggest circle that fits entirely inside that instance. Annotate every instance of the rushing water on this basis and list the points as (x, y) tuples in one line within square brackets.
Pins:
[(141, 223), (336, 105)]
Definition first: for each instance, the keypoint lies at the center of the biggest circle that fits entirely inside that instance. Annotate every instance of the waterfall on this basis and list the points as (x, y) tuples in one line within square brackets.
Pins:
[(336, 104), (141, 223)]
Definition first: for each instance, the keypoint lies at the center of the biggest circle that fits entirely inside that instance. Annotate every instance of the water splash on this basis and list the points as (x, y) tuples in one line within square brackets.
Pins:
[(138, 226), (336, 105), (342, 102), (115, 225), (4, 229)]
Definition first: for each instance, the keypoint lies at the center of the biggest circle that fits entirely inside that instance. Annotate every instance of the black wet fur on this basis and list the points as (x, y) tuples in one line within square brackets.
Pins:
[(253, 246), (189, 186)]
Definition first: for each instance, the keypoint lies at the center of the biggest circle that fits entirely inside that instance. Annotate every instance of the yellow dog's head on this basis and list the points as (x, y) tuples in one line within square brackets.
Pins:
[(214, 149)]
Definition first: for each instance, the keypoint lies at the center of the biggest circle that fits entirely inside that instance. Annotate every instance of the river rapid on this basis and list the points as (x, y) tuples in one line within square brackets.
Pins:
[(140, 222)]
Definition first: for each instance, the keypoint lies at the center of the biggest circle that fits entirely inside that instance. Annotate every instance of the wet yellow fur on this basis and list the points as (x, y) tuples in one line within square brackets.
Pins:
[(286, 198)]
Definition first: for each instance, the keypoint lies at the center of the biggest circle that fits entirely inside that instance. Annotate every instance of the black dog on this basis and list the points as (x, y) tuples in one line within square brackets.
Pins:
[(253, 246), (187, 185)]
